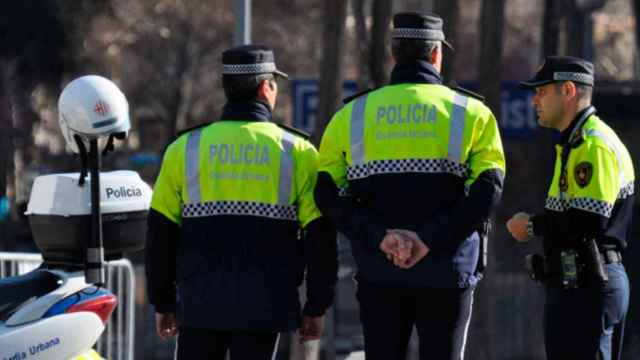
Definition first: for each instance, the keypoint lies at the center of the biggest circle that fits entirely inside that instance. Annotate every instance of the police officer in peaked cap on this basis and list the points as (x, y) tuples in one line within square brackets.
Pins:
[(233, 226), (585, 226), (410, 173)]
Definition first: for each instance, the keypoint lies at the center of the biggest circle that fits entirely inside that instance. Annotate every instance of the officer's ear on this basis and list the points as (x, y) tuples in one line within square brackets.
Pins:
[(264, 88), (436, 54), (267, 85), (568, 88), (435, 57), (267, 92)]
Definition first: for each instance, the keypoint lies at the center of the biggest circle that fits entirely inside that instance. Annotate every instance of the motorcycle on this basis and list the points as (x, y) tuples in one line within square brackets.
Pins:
[(78, 220)]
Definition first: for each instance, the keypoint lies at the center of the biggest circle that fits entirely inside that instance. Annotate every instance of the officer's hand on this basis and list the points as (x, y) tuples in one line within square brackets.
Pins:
[(166, 325), (418, 249), (396, 247), (311, 329), (517, 226)]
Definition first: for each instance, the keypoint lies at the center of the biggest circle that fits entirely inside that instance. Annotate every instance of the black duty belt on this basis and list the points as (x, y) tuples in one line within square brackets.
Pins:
[(608, 257), (611, 256), (572, 268)]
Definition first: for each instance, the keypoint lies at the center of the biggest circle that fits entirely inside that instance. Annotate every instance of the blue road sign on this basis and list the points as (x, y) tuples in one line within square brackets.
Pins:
[(306, 101), (517, 115)]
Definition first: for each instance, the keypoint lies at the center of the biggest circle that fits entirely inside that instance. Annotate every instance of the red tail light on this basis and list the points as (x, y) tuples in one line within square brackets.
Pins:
[(102, 306)]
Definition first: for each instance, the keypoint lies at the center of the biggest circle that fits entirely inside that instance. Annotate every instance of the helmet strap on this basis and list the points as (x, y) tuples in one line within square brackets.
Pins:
[(109, 147), (83, 159)]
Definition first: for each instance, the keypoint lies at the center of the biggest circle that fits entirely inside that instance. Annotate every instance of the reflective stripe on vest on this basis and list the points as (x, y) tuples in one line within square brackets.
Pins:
[(456, 131), (452, 164), (357, 130), (286, 168), (626, 190), (192, 166), (591, 205), (429, 166), (196, 208), (251, 208)]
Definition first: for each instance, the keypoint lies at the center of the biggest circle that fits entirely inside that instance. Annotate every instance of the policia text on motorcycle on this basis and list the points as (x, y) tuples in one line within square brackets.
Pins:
[(410, 173), (234, 225), (586, 223)]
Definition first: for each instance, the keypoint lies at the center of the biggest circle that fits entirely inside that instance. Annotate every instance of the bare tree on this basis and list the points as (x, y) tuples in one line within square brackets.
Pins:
[(331, 71), (6, 126), (6, 144), (23, 69), (362, 42), (551, 27), (373, 49), (449, 10), (379, 50), (636, 12), (491, 46), (165, 55)]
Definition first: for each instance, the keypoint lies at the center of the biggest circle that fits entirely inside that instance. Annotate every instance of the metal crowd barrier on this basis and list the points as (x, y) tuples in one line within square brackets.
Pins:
[(117, 341)]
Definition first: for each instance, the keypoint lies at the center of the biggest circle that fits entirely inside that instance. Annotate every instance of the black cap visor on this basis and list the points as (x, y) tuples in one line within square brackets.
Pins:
[(448, 45), (533, 83), (281, 74)]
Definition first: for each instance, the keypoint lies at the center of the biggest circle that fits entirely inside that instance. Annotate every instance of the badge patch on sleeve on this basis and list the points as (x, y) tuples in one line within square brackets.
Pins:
[(583, 173)]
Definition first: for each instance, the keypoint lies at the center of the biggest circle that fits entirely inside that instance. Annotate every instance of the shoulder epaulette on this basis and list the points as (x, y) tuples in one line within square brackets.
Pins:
[(358, 94), (468, 93), (298, 132), (184, 131)]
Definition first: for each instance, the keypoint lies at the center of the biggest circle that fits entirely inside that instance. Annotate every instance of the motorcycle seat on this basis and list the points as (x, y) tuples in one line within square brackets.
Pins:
[(16, 290)]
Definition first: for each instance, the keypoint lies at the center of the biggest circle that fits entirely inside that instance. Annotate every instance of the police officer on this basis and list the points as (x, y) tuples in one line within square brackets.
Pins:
[(409, 173), (586, 221), (233, 225)]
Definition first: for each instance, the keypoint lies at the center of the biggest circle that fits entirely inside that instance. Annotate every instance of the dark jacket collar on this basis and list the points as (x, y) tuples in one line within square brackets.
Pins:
[(246, 110), (418, 72), (564, 135)]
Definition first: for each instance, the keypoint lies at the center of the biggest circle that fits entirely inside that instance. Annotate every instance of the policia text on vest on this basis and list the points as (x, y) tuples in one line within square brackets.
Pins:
[(247, 154), (401, 116)]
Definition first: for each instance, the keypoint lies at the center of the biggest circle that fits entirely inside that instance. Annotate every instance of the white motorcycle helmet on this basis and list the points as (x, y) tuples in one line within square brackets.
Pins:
[(92, 107)]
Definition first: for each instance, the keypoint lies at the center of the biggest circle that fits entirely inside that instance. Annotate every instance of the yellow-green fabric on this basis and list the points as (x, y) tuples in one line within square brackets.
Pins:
[(89, 355), (418, 125), (599, 171), (238, 170), (169, 190)]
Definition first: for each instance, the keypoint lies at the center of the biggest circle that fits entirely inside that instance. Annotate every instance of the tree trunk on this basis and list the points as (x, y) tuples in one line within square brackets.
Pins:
[(551, 27), (636, 13), (330, 89), (331, 68), (580, 27), (6, 128), (487, 316), (381, 12), (177, 117), (362, 42), (6, 143), (579, 32), (491, 32), (449, 10)]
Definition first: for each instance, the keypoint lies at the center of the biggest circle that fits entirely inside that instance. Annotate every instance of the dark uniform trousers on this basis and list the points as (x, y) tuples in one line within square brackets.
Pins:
[(213, 345), (587, 323), (388, 315)]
